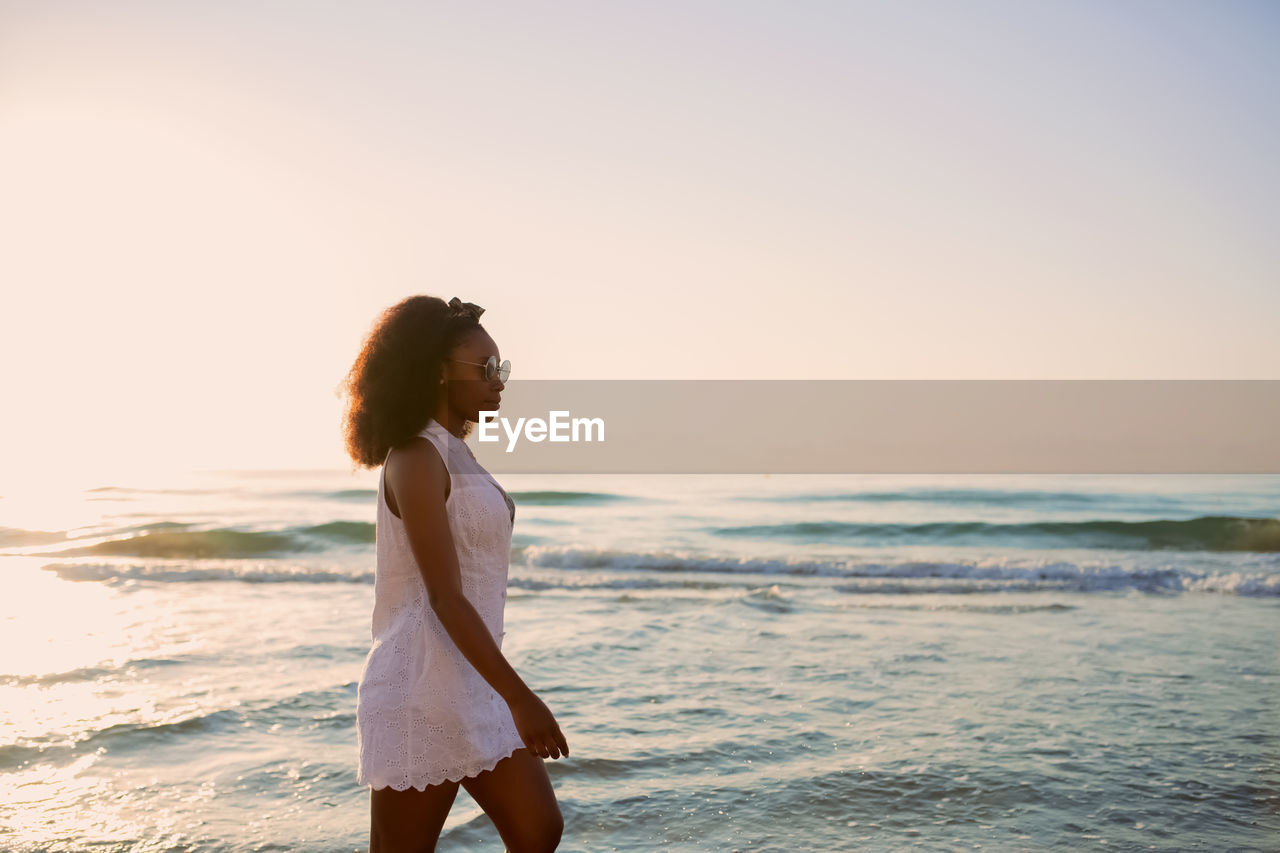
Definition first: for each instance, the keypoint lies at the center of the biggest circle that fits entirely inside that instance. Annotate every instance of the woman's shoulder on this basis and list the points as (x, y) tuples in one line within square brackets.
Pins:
[(419, 460), (415, 452)]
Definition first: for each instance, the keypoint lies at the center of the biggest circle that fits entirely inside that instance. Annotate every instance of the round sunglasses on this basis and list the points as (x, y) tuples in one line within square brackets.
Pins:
[(491, 367)]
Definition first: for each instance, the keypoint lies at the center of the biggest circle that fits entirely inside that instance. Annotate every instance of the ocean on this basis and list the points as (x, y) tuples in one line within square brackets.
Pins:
[(738, 662)]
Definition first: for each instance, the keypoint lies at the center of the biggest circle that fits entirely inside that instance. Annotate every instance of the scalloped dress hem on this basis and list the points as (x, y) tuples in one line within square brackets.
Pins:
[(466, 774)]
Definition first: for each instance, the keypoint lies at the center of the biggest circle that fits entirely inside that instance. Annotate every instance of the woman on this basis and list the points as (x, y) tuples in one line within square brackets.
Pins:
[(437, 704)]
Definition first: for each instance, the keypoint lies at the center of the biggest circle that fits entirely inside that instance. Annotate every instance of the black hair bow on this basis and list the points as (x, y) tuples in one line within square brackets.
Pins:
[(459, 308)]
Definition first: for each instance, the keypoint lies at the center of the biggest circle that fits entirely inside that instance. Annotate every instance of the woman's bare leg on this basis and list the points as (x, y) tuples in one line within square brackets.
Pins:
[(409, 821), (517, 796)]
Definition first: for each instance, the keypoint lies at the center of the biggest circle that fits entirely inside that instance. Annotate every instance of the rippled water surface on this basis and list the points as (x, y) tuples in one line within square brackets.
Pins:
[(752, 663)]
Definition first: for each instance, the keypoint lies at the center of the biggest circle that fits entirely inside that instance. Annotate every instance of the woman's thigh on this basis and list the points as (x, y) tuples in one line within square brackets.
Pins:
[(409, 820), (517, 796)]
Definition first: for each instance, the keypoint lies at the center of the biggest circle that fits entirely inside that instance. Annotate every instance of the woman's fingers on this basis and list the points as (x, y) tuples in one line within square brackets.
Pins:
[(537, 747), (551, 746)]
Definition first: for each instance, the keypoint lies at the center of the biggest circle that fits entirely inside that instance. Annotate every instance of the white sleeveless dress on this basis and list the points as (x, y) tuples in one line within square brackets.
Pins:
[(424, 714)]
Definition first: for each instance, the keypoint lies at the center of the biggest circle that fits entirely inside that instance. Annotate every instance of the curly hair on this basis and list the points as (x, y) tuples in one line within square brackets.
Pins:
[(394, 386)]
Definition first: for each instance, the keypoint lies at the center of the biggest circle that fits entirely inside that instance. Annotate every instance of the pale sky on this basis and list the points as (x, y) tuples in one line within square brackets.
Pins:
[(203, 206)]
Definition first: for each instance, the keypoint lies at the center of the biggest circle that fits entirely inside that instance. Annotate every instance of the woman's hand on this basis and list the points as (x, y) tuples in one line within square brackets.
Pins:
[(537, 727)]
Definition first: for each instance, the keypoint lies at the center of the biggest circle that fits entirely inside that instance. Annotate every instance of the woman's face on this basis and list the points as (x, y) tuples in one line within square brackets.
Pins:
[(469, 393)]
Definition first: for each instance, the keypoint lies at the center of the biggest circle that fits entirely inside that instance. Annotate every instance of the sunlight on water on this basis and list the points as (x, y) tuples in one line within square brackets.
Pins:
[(57, 627)]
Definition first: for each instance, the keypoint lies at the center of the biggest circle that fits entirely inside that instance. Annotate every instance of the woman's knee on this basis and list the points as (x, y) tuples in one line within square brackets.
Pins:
[(555, 829), (541, 836)]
